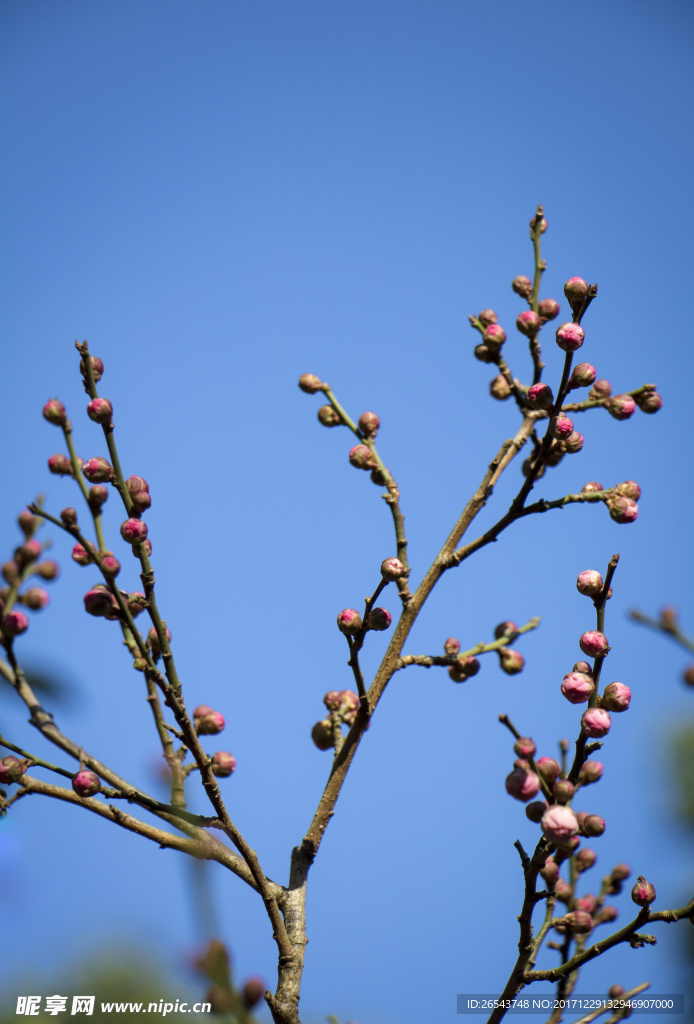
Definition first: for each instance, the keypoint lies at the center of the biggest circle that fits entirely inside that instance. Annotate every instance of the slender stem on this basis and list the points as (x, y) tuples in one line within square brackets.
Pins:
[(670, 630), (540, 267), (427, 660), (77, 473), (611, 1003)]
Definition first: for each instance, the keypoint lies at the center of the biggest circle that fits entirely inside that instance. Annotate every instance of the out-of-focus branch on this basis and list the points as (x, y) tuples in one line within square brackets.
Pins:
[(611, 1004)]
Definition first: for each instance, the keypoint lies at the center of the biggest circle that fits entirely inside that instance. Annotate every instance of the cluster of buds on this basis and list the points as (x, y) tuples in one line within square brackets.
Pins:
[(342, 706), (465, 666), (208, 722), (24, 564), (621, 500)]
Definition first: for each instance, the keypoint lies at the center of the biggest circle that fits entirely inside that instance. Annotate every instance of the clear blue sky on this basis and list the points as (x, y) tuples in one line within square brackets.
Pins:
[(220, 196)]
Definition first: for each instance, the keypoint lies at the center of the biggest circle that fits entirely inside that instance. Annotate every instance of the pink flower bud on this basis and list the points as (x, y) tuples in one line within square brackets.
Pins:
[(12, 768), (253, 991), (563, 791), (559, 824), (522, 784), (392, 569), (54, 412), (649, 402), (623, 510), (483, 354), (507, 628), (361, 457), (135, 484), (535, 810), (620, 872), (592, 487), (86, 783), (378, 477), (48, 570), (141, 502), (452, 646), (369, 424), (561, 427), (69, 517), (99, 602), (548, 769), (494, 337), (590, 772), (147, 547), (499, 388), (606, 916), (529, 323), (574, 443), (223, 764), (110, 565), (322, 734), (309, 383), (540, 396), (616, 697), (97, 368), (27, 522), (15, 623), (98, 471), (349, 621), (564, 891), (629, 489), (643, 892), (585, 859), (510, 661), (80, 555), (550, 870), (587, 903), (601, 389), (133, 531), (98, 496), (206, 721), (594, 644), (596, 722), (591, 824), (522, 286), (534, 223), (100, 410), (582, 377), (332, 700), (487, 317), (60, 465), (548, 309), (584, 667), (575, 290), (136, 602), (525, 747), (36, 598), (578, 922), (349, 705), (463, 669), (621, 407), (328, 416), (569, 337), (379, 619), (27, 553), (589, 582)]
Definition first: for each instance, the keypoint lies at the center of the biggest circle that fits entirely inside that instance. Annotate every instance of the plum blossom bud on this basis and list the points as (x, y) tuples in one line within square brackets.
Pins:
[(379, 619), (27, 553), (555, 454), (649, 402), (584, 667), (141, 501), (534, 223), (589, 582), (54, 412), (522, 784), (36, 598), (80, 555), (507, 628), (494, 337), (361, 457), (529, 323), (452, 646), (582, 377), (27, 522), (99, 602), (253, 991), (621, 407), (529, 465), (643, 892), (564, 891), (522, 286), (548, 769), (60, 465), (322, 734), (574, 443), (487, 317), (600, 389), (499, 388), (14, 623), (156, 646), (550, 869), (133, 531), (575, 290), (563, 791), (332, 700), (525, 747), (369, 424), (467, 666), (98, 471), (48, 570), (223, 764), (392, 569), (592, 487), (206, 721), (559, 824), (616, 697), (596, 722), (309, 383), (578, 922), (594, 644), (328, 416), (511, 662), (136, 602), (86, 783), (110, 565), (378, 477), (623, 510), (615, 991), (606, 916), (147, 547), (98, 495), (629, 489), (349, 705), (561, 427), (97, 368), (590, 772), (569, 337), (591, 824), (100, 410), (69, 517), (540, 396), (349, 621), (483, 354), (535, 810), (135, 484), (585, 859), (548, 309), (12, 768), (587, 903)]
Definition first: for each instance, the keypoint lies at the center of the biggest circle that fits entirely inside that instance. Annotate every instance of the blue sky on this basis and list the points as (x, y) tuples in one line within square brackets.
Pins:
[(221, 196)]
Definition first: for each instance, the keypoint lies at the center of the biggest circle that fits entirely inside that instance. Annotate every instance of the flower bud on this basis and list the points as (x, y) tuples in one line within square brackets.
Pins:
[(592, 825), (548, 769), (564, 891), (392, 569), (623, 510), (522, 286), (550, 869), (510, 661), (494, 337), (378, 477), (98, 471), (578, 922), (69, 517), (253, 991), (147, 547), (540, 396), (569, 337), (575, 290), (594, 644), (322, 734), (35, 598), (133, 531), (12, 768), (369, 424), (649, 402), (688, 675), (559, 824), (483, 354), (574, 443), (585, 859), (590, 772), (349, 621), (98, 495), (561, 427), (60, 465), (141, 501), (616, 697), (466, 666), (100, 410), (508, 628), (529, 323), (525, 747), (332, 700), (606, 916), (27, 553), (48, 570), (582, 377), (361, 457), (643, 892), (86, 783), (589, 582), (136, 602), (452, 646), (97, 368), (379, 619), (534, 812), (621, 407), (328, 416), (629, 489), (309, 383), (592, 487), (534, 223), (99, 602), (110, 566), (563, 791), (499, 388), (135, 485), (14, 623), (584, 667), (156, 648), (555, 454), (223, 764), (596, 722), (54, 412), (529, 465), (206, 721), (28, 523), (601, 389), (80, 555), (487, 317), (522, 784), (349, 705), (548, 309)]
